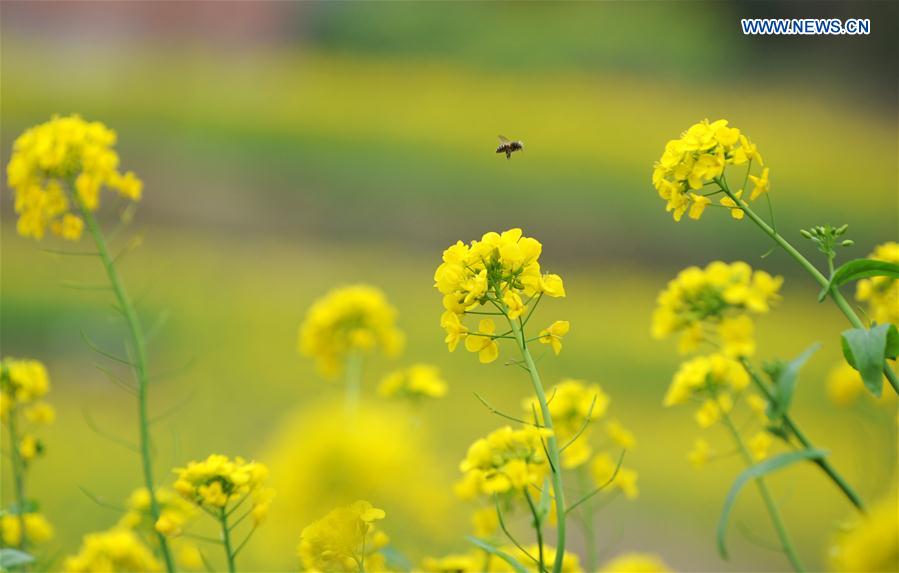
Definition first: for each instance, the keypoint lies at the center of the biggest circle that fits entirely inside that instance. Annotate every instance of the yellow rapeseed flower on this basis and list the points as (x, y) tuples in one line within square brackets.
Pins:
[(635, 563), (37, 529), (117, 550), (715, 304), (415, 382), (506, 460), (871, 543), (881, 294), (701, 453), (58, 160), (346, 539), (553, 334), (215, 482), (501, 271), (696, 160), (603, 468), (349, 320)]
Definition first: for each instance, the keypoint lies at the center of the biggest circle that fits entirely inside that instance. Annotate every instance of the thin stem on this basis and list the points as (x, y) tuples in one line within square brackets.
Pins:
[(538, 527), (587, 515), (835, 294), (773, 511), (823, 463), (226, 540), (139, 367), (552, 446), (353, 383), (18, 472)]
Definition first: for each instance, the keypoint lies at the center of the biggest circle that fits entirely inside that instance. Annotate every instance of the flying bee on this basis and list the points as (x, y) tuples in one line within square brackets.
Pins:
[(509, 147)]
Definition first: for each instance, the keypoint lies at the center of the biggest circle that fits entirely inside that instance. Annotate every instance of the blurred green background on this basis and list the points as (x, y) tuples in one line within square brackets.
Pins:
[(290, 147)]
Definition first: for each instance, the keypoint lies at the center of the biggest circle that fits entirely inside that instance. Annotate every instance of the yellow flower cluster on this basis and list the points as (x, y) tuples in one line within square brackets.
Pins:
[(699, 158), (54, 160), (217, 481), (635, 563), (570, 409), (502, 270), (714, 305), (415, 382), (346, 321), (346, 539), (871, 544), (23, 383), (881, 294), (113, 551), (505, 460), (174, 512), (625, 481), (37, 529)]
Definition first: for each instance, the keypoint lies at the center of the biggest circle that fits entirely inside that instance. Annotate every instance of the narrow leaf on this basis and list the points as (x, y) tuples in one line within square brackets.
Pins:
[(892, 349), (513, 563), (866, 351), (13, 558), (859, 269), (785, 382), (543, 506), (756, 471)]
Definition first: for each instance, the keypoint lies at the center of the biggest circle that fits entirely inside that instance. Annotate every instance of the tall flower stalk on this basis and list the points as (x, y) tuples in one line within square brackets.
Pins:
[(500, 277), (58, 170)]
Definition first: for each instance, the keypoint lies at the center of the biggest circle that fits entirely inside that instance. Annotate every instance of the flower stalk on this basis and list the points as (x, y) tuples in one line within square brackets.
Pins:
[(138, 364), (552, 445), (18, 471), (767, 498), (794, 429), (226, 540), (835, 294)]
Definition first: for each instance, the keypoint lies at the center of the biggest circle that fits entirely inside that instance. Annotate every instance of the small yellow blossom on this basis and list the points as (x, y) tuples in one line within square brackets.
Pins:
[(553, 334), (698, 159), (514, 305), (759, 444), (505, 460), (570, 409), (217, 481), (736, 211), (483, 342), (623, 437), (712, 410), (58, 161), (881, 294), (40, 413), (761, 185), (603, 468), (737, 336), (346, 539), (871, 543), (758, 405), (700, 454), (415, 382), (703, 373), (346, 321), (29, 447), (113, 551), (37, 529), (635, 563)]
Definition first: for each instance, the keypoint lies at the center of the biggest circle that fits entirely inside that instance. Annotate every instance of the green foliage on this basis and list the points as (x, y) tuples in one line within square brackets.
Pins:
[(859, 269), (866, 350), (10, 558), (785, 375), (513, 563), (754, 472)]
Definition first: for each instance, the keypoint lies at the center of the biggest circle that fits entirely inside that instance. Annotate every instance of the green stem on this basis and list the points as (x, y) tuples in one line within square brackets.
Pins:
[(552, 445), (773, 511), (18, 472), (139, 365), (823, 463), (226, 540), (587, 515), (538, 527), (353, 371), (835, 293)]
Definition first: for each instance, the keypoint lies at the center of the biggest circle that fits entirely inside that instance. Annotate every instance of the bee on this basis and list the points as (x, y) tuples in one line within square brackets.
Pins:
[(509, 147)]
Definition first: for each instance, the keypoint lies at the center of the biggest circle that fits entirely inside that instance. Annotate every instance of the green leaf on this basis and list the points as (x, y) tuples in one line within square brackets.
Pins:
[(13, 558), (866, 349), (756, 471), (892, 349), (785, 378), (545, 503), (859, 269), (513, 563)]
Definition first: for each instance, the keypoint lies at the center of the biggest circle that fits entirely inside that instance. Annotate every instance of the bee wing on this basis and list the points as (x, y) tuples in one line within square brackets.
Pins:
[(502, 139)]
